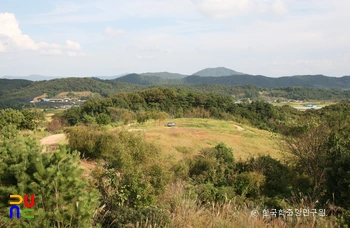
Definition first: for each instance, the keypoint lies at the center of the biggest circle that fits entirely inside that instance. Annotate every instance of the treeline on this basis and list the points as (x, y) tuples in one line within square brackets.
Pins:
[(22, 96), (28, 119), (313, 81), (178, 103), (18, 93), (304, 93)]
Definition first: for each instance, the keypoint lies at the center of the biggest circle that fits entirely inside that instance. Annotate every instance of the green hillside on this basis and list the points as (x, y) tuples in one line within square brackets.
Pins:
[(216, 72), (165, 75), (22, 95), (16, 92)]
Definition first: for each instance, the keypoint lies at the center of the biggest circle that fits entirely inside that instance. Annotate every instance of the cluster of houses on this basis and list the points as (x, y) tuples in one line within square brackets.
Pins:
[(308, 106), (62, 103), (54, 100)]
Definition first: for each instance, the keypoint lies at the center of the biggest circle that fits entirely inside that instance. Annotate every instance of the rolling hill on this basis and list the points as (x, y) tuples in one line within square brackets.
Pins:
[(315, 81), (216, 72), (18, 92), (165, 75)]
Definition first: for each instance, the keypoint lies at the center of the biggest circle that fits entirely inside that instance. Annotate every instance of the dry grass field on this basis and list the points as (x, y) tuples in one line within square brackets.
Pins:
[(190, 135), (78, 94)]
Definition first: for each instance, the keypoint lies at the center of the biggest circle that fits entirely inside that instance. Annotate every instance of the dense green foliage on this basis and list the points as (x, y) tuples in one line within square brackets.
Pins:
[(148, 104), (18, 98), (24, 119), (131, 178), (62, 197), (315, 81), (8, 86)]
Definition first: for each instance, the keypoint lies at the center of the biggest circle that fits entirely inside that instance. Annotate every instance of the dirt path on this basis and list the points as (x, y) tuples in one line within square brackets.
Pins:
[(52, 139)]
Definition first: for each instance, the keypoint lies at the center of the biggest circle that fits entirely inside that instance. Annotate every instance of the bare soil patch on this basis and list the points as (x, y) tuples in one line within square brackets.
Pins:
[(52, 139)]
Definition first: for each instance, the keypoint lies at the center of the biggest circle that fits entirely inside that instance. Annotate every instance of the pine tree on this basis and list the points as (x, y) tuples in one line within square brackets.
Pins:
[(62, 197)]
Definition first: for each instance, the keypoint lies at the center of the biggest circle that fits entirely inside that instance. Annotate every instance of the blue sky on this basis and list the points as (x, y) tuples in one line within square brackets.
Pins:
[(112, 37)]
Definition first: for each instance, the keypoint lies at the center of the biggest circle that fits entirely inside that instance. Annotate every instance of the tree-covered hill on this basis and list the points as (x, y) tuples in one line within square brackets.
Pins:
[(165, 75), (315, 81), (147, 79), (11, 85), (23, 95), (216, 72), (16, 93)]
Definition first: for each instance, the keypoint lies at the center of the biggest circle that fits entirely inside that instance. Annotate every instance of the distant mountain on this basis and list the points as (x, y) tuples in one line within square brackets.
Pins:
[(32, 77), (147, 79), (110, 77), (216, 72), (18, 93), (165, 75), (316, 81)]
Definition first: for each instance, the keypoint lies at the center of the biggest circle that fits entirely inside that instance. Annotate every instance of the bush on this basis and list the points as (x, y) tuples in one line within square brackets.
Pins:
[(248, 184), (103, 119), (26, 170)]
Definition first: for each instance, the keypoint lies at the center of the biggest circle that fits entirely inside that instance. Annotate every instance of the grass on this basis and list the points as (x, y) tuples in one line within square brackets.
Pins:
[(187, 211), (191, 135)]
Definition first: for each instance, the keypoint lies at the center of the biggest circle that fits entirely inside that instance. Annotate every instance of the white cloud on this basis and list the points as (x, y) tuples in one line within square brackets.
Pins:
[(75, 54), (113, 32), (144, 57), (51, 52), (279, 7), (71, 45), (47, 45), (72, 53), (2, 47), (11, 37), (228, 8)]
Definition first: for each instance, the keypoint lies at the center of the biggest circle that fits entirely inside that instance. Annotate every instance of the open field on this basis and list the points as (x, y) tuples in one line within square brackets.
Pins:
[(300, 104), (190, 135), (77, 94)]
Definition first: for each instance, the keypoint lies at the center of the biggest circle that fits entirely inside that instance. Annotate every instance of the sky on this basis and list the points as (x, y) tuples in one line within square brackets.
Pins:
[(112, 37)]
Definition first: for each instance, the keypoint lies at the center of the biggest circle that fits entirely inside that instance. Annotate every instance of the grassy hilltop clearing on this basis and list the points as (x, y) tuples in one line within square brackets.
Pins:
[(192, 134)]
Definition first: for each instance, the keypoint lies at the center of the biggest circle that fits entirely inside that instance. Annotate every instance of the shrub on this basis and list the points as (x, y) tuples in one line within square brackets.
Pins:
[(63, 198)]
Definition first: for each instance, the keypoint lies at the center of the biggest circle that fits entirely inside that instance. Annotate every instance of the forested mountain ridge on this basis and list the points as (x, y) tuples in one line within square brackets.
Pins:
[(22, 95), (17, 92), (315, 81), (140, 79), (165, 75)]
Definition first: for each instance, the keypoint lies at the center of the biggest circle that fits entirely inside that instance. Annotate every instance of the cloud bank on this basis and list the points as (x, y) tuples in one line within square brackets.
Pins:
[(12, 39)]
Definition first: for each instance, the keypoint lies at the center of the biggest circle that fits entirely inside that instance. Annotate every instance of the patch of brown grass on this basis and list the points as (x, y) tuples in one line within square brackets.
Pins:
[(79, 94), (187, 211), (196, 134), (41, 96)]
